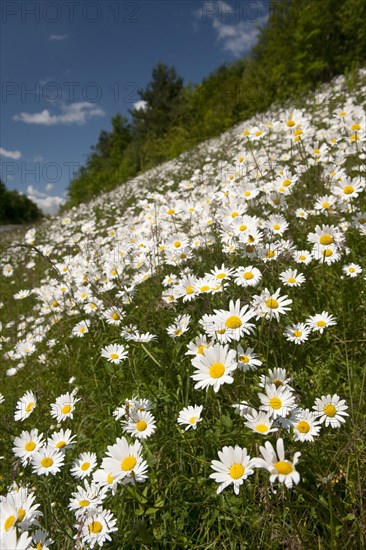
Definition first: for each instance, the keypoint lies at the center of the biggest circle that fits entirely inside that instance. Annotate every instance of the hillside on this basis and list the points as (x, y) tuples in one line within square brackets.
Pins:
[(182, 357), (302, 44)]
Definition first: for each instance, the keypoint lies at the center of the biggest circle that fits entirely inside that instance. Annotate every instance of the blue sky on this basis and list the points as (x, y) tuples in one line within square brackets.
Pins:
[(68, 66)]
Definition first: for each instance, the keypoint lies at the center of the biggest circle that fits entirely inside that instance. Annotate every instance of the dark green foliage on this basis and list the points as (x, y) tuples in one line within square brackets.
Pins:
[(16, 208), (304, 43)]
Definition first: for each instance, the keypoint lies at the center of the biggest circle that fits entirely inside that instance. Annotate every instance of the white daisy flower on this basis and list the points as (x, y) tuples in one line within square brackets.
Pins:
[(320, 321), (26, 444), (247, 360), (298, 333), (140, 424), (260, 422), (25, 406), (115, 353), (277, 401), (234, 466), (47, 460), (124, 461), (278, 467), (84, 465), (190, 416), (331, 410), (290, 277), (96, 528), (271, 305), (247, 276), (305, 425), (215, 367), (61, 440), (64, 406), (352, 270)]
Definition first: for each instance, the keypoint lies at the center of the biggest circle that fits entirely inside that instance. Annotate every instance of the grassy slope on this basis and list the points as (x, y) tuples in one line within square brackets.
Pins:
[(178, 506)]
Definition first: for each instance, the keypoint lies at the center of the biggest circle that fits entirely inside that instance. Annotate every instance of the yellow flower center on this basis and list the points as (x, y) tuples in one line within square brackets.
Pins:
[(290, 123), (276, 227), (46, 462), (30, 446), (303, 427), (283, 467), (286, 183), (61, 444), (204, 288), (297, 333), (141, 425), (115, 316), (272, 303), (248, 275), (326, 204), (348, 189), (234, 214), (330, 410), (233, 322), (177, 244), (261, 428), (114, 356), (39, 546), (302, 257), (190, 289), (84, 503), (29, 407), (66, 409), (221, 331), (128, 463), (328, 252), (270, 254), (244, 359), (85, 466), (114, 272), (321, 323), (355, 127), (193, 420), (95, 527), (236, 471), (316, 151), (217, 370), (21, 514), (110, 478), (291, 280), (201, 349), (351, 269), (326, 239), (9, 522), (221, 276), (171, 211), (275, 403)]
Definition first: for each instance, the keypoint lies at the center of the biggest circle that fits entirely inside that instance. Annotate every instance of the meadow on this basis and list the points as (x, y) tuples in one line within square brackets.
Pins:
[(183, 359)]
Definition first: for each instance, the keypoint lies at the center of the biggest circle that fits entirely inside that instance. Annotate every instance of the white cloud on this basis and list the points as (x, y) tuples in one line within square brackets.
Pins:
[(48, 187), (48, 204), (73, 113), (236, 37), (57, 37), (139, 105), (15, 155)]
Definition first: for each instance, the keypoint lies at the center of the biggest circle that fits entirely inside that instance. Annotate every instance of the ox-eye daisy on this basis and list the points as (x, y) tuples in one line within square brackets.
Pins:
[(247, 276), (26, 444), (140, 424), (320, 321), (277, 401), (271, 305), (84, 465), (190, 416), (61, 440), (124, 461), (352, 270), (298, 333), (278, 467), (331, 410), (114, 353), (305, 425), (290, 277), (215, 367), (47, 460), (25, 406), (232, 324), (64, 406), (259, 422), (247, 360), (96, 527), (234, 466)]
